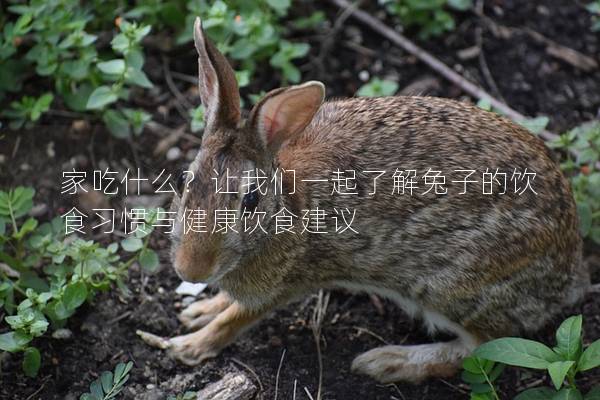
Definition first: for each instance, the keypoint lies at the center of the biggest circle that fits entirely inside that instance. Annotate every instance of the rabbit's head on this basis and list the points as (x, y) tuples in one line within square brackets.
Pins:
[(202, 250)]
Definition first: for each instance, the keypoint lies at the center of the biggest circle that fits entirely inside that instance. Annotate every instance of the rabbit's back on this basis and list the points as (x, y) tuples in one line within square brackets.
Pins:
[(462, 252)]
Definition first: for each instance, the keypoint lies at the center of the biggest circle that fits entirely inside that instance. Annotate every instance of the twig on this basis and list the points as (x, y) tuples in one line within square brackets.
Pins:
[(564, 53), (181, 104), (16, 148), (185, 77), (371, 333), (485, 69), (308, 393), (295, 384), (438, 66), (278, 372), (254, 374), (126, 314), (329, 40), (433, 62), (316, 326), (32, 395)]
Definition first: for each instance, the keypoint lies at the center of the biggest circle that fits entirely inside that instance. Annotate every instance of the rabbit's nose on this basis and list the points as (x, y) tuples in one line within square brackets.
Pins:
[(192, 266)]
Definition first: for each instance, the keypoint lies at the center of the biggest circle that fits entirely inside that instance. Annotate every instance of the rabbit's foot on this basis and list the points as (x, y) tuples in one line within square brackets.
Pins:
[(411, 363), (201, 312), (196, 347)]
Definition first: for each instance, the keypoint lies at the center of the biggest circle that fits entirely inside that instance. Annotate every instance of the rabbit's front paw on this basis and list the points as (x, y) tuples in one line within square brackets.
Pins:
[(200, 313), (194, 348), (190, 349)]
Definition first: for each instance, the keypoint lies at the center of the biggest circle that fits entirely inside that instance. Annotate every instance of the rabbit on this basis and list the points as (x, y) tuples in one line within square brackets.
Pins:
[(478, 266)]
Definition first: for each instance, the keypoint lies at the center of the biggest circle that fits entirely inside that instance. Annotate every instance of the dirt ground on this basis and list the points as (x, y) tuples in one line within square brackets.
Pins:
[(523, 73)]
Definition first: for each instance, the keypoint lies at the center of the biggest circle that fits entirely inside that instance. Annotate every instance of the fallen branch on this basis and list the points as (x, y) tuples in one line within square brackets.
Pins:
[(438, 66)]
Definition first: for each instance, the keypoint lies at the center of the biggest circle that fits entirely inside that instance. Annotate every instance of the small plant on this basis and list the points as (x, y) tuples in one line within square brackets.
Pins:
[(431, 17), (378, 87), (28, 110), (534, 125), (584, 176), (46, 276), (481, 374), (62, 51), (594, 8), (197, 116), (563, 362), (110, 384)]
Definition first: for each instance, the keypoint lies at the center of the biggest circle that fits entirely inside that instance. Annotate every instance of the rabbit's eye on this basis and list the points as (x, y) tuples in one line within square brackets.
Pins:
[(180, 182), (250, 200)]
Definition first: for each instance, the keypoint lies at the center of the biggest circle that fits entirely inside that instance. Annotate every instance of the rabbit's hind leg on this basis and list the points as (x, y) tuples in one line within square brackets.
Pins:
[(412, 363), (201, 312), (418, 362)]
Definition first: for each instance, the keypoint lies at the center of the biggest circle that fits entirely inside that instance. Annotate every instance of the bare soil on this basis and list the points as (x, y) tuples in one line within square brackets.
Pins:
[(526, 76)]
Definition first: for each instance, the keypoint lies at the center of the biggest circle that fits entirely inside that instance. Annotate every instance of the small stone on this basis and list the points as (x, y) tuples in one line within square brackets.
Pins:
[(62, 334), (363, 75), (174, 153), (50, 150), (38, 210), (80, 125)]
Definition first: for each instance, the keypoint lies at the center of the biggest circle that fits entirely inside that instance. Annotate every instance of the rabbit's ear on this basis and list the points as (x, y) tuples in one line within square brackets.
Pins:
[(285, 112), (218, 88)]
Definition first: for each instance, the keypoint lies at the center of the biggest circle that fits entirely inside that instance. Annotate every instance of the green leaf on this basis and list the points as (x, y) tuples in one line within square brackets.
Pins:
[(117, 124), (543, 393), (470, 377), (75, 295), (590, 357), (518, 352), (568, 394), (131, 244), (535, 125), (585, 217), (100, 97), (138, 77), (96, 389), (13, 341), (106, 379), (30, 279), (31, 362), (112, 67), (149, 260), (280, 6), (558, 371), (28, 226), (568, 337)]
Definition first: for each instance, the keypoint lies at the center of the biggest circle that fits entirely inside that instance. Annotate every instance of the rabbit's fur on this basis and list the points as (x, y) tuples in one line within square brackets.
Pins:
[(479, 266)]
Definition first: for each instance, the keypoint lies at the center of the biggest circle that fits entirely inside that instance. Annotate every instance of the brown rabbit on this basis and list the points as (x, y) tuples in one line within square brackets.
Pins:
[(475, 265)]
